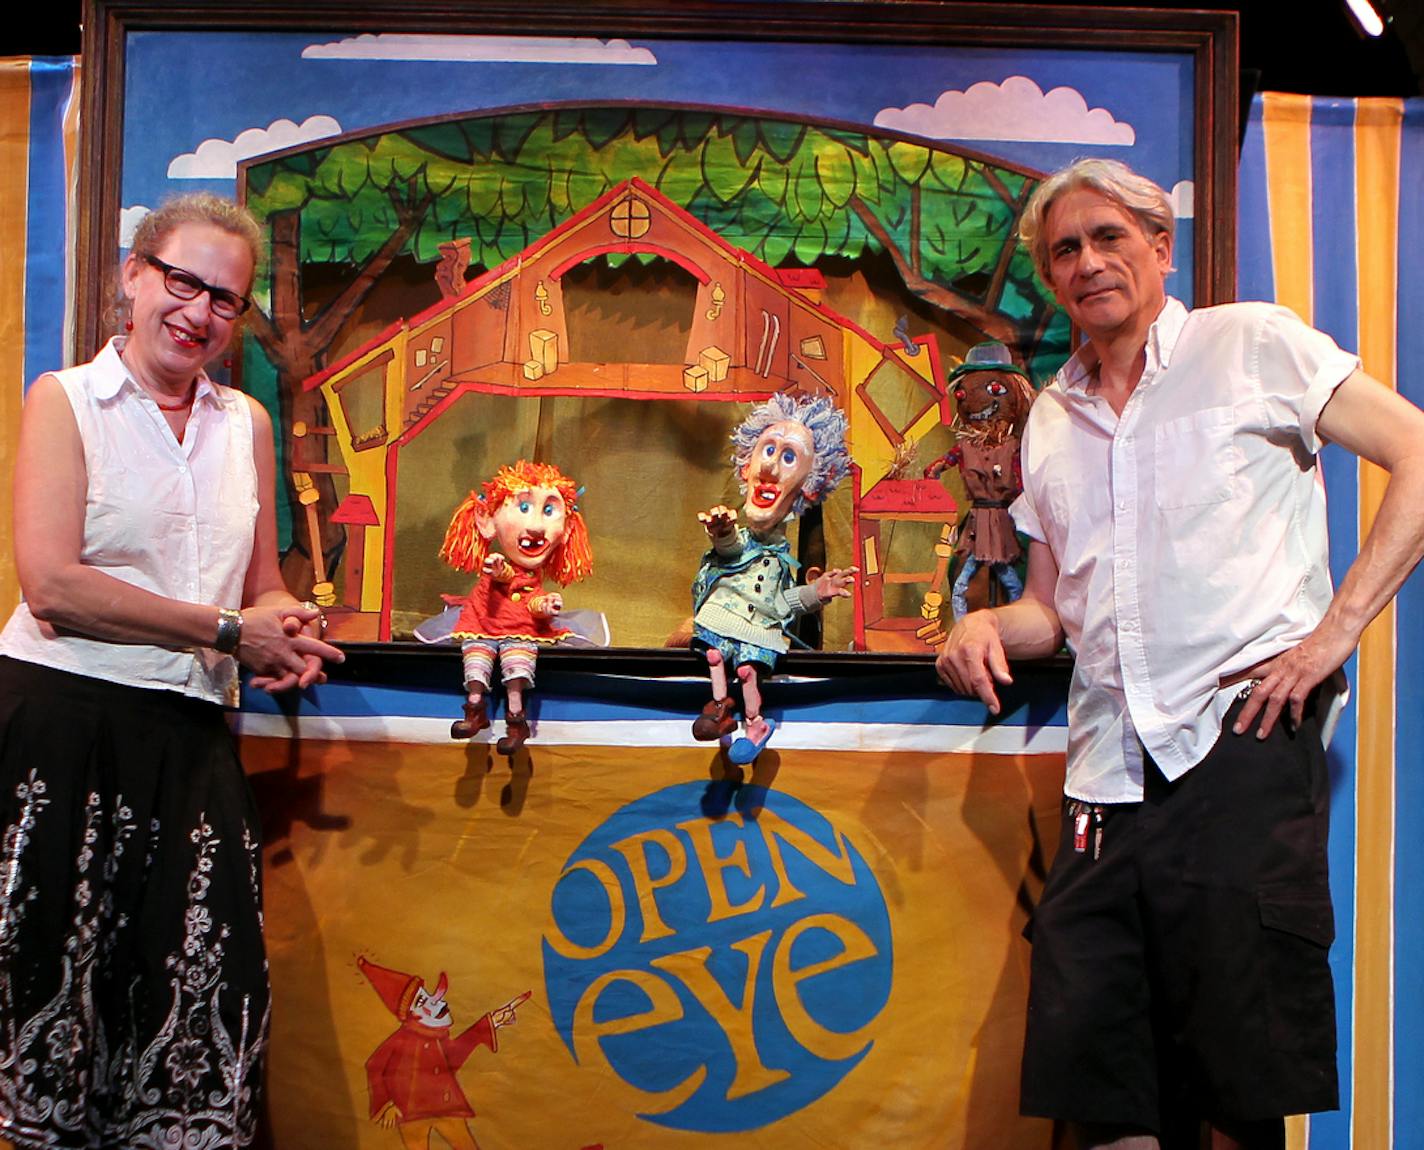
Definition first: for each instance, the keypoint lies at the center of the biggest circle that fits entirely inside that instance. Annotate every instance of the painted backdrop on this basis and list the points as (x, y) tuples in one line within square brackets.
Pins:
[(598, 252)]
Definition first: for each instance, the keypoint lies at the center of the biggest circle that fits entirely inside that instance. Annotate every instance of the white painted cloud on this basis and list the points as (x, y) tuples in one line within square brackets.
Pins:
[(1017, 109), (218, 159), (129, 219), (1184, 200), (481, 49)]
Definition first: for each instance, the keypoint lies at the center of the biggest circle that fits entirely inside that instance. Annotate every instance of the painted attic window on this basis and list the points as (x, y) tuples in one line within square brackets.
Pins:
[(363, 402), (630, 218), (897, 398)]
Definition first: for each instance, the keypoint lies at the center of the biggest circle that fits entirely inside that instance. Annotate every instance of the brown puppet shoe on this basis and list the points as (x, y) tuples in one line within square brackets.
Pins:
[(715, 721), (516, 731), (475, 720)]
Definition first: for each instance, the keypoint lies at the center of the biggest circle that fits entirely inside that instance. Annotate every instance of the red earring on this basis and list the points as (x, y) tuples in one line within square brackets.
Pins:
[(128, 325)]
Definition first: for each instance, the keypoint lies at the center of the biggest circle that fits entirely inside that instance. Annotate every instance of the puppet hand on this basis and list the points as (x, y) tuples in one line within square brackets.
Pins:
[(388, 1115), (504, 1016), (718, 521), (973, 658), (1288, 679), (547, 606), (498, 568), (836, 583)]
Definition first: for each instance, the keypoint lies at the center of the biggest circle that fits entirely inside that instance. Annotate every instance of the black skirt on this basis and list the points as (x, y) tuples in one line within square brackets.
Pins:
[(133, 980)]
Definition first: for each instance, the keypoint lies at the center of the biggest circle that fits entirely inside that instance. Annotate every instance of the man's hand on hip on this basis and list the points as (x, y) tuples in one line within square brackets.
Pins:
[(1290, 677)]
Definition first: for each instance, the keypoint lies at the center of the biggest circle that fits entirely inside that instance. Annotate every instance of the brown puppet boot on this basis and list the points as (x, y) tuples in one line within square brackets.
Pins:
[(715, 720), (475, 720), (516, 731)]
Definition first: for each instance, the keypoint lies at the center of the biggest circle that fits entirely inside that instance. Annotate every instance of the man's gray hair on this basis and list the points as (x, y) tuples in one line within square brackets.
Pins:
[(1148, 203), (827, 425)]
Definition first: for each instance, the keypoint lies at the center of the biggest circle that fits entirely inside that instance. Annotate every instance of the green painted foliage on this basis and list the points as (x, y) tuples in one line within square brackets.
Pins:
[(780, 189)]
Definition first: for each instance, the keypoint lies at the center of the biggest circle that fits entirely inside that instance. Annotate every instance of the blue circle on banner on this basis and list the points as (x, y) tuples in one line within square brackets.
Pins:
[(727, 972)]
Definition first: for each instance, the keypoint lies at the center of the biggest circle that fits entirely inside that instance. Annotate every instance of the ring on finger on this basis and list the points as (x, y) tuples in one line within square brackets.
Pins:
[(320, 620)]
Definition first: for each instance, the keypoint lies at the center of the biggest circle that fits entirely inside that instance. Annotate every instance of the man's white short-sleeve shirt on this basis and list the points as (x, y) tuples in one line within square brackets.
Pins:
[(1189, 532)]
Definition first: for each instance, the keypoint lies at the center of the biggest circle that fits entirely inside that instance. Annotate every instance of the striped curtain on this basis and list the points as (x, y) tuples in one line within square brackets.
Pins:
[(1332, 226), (39, 122)]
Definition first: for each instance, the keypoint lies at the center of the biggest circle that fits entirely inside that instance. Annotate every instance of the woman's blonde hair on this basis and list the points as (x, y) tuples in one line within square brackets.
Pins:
[(196, 208)]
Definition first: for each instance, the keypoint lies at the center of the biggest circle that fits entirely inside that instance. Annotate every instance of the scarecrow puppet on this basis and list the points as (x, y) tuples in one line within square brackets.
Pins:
[(788, 454), (523, 522), (992, 396)]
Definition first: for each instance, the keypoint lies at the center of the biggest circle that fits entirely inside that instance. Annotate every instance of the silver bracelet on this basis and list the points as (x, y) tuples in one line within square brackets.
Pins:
[(229, 631)]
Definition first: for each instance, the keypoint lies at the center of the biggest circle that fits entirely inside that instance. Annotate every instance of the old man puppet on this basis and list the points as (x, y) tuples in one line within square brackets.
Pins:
[(519, 526), (787, 454)]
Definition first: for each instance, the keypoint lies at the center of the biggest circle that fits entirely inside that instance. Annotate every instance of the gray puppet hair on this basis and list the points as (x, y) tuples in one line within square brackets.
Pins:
[(827, 426)]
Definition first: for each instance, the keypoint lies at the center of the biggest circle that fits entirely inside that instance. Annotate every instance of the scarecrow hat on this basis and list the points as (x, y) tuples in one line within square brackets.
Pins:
[(988, 356)]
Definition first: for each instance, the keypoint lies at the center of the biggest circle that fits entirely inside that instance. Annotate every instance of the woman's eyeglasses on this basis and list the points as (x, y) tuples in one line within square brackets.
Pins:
[(185, 285)]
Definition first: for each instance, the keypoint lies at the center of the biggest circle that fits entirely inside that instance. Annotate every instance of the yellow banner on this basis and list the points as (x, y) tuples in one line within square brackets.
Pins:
[(618, 948)]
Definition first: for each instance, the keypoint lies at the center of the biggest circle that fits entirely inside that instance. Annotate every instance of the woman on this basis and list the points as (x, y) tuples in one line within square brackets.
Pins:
[(133, 984)]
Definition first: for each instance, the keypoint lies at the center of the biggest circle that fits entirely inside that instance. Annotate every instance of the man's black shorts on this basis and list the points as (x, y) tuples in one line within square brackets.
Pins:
[(1183, 975)]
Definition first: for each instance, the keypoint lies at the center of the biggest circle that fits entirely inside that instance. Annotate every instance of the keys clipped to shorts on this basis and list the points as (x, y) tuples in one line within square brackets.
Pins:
[(1087, 825)]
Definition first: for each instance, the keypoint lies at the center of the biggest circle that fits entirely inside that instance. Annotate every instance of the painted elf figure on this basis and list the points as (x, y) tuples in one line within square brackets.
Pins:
[(788, 454), (992, 394), (521, 524), (411, 1075)]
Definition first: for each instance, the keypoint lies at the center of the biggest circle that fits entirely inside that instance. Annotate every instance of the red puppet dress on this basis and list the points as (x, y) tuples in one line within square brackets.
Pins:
[(499, 611)]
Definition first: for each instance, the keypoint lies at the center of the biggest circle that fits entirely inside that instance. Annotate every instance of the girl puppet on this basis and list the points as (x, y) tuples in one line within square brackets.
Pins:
[(530, 512), (787, 454)]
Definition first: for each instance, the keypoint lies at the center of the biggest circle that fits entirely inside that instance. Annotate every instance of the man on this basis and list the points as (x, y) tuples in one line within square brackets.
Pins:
[(1178, 543)]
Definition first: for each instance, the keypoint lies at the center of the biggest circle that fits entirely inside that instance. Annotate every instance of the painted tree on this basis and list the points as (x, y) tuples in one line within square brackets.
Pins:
[(787, 191)]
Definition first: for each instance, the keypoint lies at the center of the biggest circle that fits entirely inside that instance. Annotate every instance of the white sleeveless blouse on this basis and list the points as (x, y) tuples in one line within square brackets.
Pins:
[(173, 518)]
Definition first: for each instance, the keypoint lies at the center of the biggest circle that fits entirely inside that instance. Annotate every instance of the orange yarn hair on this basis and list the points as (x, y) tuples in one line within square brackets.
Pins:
[(465, 548)]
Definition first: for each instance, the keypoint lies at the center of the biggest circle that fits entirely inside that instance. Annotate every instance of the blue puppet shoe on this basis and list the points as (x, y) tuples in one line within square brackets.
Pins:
[(744, 750)]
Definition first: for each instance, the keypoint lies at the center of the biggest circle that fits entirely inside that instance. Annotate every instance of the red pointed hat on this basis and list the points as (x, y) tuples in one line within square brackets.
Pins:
[(396, 989)]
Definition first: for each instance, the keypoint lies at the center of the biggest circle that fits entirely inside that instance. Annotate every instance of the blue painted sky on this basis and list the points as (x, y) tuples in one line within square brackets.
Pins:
[(184, 88)]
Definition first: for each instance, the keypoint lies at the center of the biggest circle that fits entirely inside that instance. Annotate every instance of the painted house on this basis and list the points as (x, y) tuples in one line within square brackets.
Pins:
[(753, 330)]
